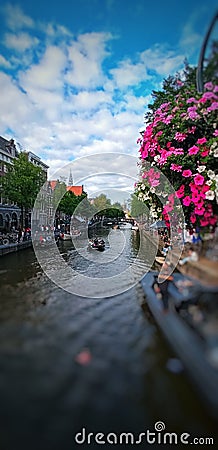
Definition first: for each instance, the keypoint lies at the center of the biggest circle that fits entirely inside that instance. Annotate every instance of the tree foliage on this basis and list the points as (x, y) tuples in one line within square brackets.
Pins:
[(22, 182), (101, 203), (70, 202)]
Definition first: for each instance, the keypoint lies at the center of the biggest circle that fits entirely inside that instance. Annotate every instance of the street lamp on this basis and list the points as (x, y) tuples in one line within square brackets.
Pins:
[(199, 74)]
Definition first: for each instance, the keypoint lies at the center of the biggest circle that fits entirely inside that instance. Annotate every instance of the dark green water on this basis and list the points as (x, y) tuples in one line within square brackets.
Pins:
[(47, 395)]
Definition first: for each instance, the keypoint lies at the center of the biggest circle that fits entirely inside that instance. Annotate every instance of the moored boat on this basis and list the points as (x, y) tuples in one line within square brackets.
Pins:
[(135, 227), (183, 325)]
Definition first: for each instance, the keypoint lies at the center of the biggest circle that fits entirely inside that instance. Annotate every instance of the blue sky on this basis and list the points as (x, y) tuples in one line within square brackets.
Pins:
[(76, 76)]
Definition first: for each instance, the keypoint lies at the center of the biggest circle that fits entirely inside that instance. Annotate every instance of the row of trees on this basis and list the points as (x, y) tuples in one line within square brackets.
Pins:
[(100, 206), (23, 181)]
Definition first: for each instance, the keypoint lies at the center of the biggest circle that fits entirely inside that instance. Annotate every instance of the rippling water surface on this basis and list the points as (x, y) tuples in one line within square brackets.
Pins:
[(68, 362)]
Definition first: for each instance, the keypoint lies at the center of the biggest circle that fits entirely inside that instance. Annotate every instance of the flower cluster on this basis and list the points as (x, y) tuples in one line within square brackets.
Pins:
[(181, 142)]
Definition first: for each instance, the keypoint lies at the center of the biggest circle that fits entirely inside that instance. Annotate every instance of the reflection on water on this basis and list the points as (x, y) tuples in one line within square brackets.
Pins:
[(113, 271), (47, 396)]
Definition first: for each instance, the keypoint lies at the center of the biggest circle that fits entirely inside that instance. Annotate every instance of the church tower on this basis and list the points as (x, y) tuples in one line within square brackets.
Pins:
[(70, 182)]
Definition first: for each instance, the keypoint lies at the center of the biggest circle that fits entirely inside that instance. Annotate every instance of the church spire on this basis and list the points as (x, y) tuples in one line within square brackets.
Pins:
[(70, 182)]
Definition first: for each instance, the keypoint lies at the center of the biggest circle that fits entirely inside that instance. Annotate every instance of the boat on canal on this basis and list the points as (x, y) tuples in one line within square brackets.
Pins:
[(186, 319), (65, 236), (125, 225), (97, 244), (68, 236)]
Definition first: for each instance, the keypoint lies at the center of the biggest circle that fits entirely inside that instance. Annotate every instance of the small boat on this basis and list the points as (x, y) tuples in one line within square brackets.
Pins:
[(135, 226), (159, 259), (125, 225), (65, 236), (75, 233), (187, 338), (97, 244)]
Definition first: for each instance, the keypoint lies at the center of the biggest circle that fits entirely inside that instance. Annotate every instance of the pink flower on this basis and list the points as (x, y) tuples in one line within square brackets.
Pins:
[(186, 201), (191, 100), (204, 222), (213, 107), (193, 150), (199, 211), (215, 133), (180, 136), (193, 188), (199, 179), (196, 198), (205, 188), (168, 208), (187, 173), (181, 191), (205, 152), (192, 114), (178, 151), (192, 218), (201, 140), (209, 86), (154, 183), (176, 168), (192, 130), (168, 119), (208, 96), (144, 153), (213, 220)]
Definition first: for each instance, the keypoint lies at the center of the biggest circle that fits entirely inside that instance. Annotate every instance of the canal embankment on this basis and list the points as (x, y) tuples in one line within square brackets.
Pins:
[(204, 269), (14, 247)]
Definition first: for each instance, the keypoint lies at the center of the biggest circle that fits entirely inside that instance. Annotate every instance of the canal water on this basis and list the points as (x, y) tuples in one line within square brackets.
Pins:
[(69, 363)]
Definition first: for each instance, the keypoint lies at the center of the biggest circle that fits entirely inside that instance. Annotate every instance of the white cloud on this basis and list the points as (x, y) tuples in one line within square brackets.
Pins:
[(128, 74), (85, 58), (15, 107), (90, 100), (136, 104), (4, 62), (47, 74), (20, 42), (53, 30), (16, 19), (161, 61)]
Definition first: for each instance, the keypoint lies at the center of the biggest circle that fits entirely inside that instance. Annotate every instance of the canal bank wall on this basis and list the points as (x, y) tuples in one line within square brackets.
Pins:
[(11, 248), (204, 269), (153, 240)]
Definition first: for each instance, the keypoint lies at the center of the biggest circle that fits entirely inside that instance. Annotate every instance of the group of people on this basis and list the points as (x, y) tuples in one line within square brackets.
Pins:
[(23, 234), (166, 242)]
